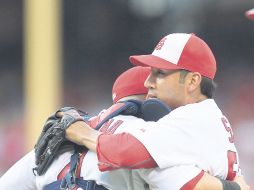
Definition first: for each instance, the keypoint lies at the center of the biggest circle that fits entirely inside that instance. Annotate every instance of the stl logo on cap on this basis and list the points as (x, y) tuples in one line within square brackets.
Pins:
[(160, 44)]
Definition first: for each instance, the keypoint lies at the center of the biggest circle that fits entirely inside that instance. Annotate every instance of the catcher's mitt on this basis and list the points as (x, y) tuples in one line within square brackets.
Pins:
[(52, 141)]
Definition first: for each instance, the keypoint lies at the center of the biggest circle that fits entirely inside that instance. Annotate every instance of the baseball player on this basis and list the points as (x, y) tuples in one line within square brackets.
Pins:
[(195, 133), (123, 88), (130, 85)]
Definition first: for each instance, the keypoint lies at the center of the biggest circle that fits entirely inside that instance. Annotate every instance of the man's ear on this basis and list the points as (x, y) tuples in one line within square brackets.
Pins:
[(194, 80)]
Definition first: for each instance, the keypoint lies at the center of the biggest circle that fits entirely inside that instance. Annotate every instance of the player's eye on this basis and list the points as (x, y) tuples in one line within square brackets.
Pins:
[(161, 72)]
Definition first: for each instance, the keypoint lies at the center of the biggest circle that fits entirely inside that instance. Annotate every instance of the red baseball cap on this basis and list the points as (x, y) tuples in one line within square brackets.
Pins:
[(180, 51), (130, 82), (250, 14)]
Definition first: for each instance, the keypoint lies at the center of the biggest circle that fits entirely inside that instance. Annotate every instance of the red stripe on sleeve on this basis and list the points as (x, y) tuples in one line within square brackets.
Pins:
[(122, 150), (192, 183)]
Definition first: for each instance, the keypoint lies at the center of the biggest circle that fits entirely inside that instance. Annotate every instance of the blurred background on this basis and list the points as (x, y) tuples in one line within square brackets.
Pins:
[(96, 38)]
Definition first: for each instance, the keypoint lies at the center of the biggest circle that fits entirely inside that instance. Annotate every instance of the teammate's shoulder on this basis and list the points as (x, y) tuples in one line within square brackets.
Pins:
[(205, 108), (154, 109), (185, 111)]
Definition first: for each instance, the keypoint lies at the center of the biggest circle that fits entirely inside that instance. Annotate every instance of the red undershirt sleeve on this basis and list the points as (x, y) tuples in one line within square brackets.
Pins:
[(122, 150)]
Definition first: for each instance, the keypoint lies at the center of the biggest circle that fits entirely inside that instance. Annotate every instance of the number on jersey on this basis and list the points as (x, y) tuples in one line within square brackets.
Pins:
[(228, 129), (233, 163)]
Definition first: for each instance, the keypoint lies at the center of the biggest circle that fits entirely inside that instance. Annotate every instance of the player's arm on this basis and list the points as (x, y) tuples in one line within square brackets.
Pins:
[(114, 151), (202, 180), (80, 133), (186, 177), (52, 140), (208, 182), (20, 175)]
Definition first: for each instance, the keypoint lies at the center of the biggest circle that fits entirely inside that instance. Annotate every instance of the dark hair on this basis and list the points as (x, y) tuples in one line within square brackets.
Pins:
[(207, 85)]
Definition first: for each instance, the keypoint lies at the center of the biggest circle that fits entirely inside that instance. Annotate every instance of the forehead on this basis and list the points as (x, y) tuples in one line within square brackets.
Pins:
[(156, 70)]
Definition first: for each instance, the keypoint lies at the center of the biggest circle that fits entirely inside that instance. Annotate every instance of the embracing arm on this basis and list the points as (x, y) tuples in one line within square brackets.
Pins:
[(208, 182), (113, 150), (20, 175), (82, 134)]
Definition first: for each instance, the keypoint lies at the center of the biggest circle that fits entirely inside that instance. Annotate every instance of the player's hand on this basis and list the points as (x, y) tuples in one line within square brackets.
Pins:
[(240, 180), (76, 132)]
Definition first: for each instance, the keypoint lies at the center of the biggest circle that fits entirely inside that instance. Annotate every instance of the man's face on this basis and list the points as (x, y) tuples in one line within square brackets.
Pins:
[(168, 86)]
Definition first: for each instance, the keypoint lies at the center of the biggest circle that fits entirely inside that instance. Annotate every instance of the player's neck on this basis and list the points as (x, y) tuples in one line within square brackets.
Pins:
[(196, 99)]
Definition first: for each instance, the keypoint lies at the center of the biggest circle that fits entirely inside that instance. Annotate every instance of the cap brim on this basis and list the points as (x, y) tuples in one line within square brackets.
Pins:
[(152, 61)]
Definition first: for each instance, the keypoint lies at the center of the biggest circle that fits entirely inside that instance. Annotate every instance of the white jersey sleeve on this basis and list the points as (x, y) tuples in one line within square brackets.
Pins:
[(20, 176)]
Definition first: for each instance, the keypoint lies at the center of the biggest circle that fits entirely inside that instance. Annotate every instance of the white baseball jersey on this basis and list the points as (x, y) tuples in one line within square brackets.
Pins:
[(196, 136)]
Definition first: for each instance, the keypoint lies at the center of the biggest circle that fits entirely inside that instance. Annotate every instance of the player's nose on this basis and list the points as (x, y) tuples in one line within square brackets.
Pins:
[(150, 81)]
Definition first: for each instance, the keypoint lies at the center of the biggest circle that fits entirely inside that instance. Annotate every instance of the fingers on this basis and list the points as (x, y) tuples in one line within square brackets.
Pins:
[(59, 114), (51, 121), (72, 112), (63, 110)]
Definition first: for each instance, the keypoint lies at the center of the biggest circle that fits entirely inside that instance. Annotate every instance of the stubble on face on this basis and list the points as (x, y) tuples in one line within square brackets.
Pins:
[(168, 86)]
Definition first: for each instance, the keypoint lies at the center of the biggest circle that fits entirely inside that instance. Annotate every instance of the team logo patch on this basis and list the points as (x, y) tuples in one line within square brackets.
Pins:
[(160, 44)]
